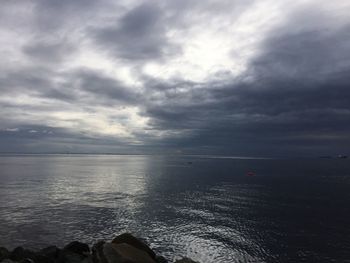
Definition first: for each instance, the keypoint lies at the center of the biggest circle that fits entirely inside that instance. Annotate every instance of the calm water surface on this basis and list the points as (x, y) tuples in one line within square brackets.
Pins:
[(203, 208)]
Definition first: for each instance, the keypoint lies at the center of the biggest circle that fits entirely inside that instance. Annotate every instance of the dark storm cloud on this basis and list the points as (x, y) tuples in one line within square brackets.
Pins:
[(294, 94), (101, 86), (35, 82), (23, 79), (140, 34), (291, 99), (53, 15), (79, 86), (48, 52)]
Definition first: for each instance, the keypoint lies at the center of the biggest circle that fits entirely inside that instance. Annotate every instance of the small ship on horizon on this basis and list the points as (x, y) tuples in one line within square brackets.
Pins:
[(340, 156)]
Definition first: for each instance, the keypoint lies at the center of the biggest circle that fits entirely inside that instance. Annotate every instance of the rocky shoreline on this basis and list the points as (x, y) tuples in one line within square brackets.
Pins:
[(124, 248)]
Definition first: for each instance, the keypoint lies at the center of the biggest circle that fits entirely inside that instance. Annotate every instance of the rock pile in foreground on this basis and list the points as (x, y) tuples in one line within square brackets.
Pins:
[(125, 248)]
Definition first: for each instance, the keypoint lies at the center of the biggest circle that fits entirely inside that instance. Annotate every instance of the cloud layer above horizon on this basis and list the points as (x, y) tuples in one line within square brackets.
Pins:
[(238, 77)]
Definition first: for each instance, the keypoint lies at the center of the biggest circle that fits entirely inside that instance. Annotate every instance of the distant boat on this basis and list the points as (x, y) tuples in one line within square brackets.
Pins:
[(342, 156), (250, 173)]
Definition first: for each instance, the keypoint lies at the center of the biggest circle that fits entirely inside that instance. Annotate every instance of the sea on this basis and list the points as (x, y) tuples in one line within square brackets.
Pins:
[(209, 208)]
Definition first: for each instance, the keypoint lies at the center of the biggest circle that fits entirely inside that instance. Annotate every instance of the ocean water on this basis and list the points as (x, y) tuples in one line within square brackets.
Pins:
[(206, 208)]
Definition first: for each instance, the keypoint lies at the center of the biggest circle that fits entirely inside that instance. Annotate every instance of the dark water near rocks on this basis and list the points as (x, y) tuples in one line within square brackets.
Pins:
[(209, 210)]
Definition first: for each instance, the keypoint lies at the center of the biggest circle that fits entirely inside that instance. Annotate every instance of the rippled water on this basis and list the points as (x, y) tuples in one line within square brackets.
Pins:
[(204, 208)]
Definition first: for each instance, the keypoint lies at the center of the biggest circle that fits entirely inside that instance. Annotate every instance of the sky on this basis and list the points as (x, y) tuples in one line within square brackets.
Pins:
[(227, 77)]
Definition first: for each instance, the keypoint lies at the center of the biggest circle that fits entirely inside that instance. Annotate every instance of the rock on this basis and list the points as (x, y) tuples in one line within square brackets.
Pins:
[(66, 256), (133, 254), (50, 252), (88, 259), (133, 241), (161, 259), (7, 260), (4, 253), (75, 252), (124, 248), (78, 248), (110, 254), (26, 256), (37, 259), (125, 253), (19, 253), (47, 255), (185, 260), (97, 253)]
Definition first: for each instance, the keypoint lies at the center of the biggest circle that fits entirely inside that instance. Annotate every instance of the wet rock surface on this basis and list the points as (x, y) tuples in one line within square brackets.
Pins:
[(127, 238), (4, 253), (124, 248), (78, 248), (185, 260)]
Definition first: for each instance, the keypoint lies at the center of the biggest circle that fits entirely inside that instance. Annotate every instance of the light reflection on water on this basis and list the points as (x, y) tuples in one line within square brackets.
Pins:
[(292, 211)]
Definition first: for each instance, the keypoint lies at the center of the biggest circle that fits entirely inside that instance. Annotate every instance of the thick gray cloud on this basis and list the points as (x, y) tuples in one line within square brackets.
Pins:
[(55, 16), (140, 34), (104, 87), (48, 52), (295, 94), (120, 77)]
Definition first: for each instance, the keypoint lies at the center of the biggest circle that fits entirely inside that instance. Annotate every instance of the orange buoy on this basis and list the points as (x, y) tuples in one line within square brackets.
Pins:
[(250, 173)]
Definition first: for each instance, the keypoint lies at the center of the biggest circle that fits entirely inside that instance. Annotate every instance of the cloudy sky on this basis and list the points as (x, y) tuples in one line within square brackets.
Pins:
[(233, 77)]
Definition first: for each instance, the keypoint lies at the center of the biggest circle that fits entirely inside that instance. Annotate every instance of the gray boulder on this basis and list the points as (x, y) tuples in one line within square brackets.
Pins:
[(7, 260), (97, 253), (127, 238), (17, 254), (78, 248), (50, 252), (21, 254), (125, 253), (4, 253), (74, 252), (185, 260), (66, 256), (161, 259)]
